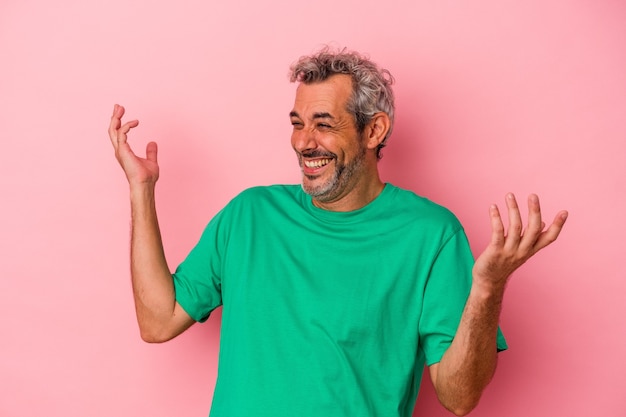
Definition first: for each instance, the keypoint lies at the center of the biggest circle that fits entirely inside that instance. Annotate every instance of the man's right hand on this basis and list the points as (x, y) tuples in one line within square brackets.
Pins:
[(138, 170), (159, 316)]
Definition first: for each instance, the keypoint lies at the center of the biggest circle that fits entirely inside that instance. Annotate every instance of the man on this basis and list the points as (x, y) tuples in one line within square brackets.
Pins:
[(335, 293)]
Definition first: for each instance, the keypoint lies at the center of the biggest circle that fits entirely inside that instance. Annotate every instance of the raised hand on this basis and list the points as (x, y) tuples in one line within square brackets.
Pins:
[(138, 170), (508, 250)]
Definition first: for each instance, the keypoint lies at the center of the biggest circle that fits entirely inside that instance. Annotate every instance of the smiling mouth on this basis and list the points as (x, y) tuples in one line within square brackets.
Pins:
[(317, 163)]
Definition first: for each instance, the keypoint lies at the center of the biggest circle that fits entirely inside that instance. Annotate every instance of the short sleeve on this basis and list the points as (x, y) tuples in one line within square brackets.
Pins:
[(197, 280), (445, 296)]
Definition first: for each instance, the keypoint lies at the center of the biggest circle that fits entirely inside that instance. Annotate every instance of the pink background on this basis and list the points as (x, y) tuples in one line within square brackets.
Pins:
[(492, 96)]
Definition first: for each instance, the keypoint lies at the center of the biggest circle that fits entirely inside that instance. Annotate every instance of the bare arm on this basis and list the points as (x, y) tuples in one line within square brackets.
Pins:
[(159, 316), (470, 362)]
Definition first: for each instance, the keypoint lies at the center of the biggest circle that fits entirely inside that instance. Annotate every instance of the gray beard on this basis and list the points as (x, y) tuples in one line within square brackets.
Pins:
[(336, 184)]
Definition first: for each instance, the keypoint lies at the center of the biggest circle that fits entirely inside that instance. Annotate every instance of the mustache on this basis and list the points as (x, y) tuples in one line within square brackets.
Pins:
[(317, 154)]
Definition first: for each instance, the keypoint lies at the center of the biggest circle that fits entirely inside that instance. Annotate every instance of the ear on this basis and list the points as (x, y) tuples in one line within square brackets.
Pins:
[(377, 129)]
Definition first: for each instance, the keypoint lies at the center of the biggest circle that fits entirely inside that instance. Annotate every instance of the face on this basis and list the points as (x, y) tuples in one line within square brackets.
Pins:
[(330, 151)]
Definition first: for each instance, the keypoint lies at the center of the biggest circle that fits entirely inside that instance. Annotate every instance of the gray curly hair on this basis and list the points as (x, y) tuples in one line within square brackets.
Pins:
[(371, 85)]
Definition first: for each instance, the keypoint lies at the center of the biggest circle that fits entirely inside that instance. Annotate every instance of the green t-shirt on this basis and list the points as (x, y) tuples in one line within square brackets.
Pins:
[(327, 313)]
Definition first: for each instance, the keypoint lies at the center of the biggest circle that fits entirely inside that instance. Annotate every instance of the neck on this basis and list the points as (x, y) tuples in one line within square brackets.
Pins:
[(358, 197)]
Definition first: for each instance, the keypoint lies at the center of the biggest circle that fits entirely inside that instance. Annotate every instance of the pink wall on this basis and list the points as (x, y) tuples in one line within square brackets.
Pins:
[(492, 96)]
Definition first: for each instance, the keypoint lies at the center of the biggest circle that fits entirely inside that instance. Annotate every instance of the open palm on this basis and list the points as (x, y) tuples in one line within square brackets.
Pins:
[(509, 249)]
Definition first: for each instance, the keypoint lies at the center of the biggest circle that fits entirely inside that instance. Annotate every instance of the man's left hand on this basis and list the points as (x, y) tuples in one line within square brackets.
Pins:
[(509, 249)]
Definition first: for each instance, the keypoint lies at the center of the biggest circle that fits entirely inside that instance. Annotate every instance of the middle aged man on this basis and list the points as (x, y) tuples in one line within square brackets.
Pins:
[(335, 293)]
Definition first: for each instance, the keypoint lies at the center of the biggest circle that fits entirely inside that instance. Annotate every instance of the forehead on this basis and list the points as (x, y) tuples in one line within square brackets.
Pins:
[(330, 95)]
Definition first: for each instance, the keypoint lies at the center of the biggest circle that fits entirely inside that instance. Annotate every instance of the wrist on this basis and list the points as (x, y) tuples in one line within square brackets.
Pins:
[(487, 288), (142, 189), (142, 201)]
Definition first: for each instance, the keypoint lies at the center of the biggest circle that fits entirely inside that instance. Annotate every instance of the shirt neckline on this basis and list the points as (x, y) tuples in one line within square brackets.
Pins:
[(366, 212)]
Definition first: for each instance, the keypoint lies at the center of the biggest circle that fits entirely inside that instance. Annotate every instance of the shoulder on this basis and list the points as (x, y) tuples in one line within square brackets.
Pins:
[(268, 193), (266, 198), (255, 204), (408, 203)]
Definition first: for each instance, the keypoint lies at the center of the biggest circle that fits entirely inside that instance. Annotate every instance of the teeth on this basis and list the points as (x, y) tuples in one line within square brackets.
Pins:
[(317, 163)]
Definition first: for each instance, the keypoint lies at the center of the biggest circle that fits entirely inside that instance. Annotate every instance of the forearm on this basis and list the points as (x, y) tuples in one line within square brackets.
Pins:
[(160, 317), (153, 288), (470, 362)]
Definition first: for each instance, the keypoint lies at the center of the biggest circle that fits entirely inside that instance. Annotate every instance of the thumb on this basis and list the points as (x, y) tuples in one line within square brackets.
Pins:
[(151, 151)]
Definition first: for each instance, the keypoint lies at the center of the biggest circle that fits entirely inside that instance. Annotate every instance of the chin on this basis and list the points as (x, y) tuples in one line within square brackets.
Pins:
[(322, 192)]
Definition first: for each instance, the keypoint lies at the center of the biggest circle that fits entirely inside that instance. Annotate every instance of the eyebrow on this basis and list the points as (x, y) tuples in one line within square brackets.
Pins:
[(320, 115)]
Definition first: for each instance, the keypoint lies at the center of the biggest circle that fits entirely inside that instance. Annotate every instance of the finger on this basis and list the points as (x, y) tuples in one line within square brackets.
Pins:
[(122, 132), (552, 233), (535, 224), (118, 109), (497, 228), (515, 222), (151, 152), (116, 122), (117, 131)]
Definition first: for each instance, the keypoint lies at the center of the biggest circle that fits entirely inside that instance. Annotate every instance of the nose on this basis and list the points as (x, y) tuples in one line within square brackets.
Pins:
[(303, 140)]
